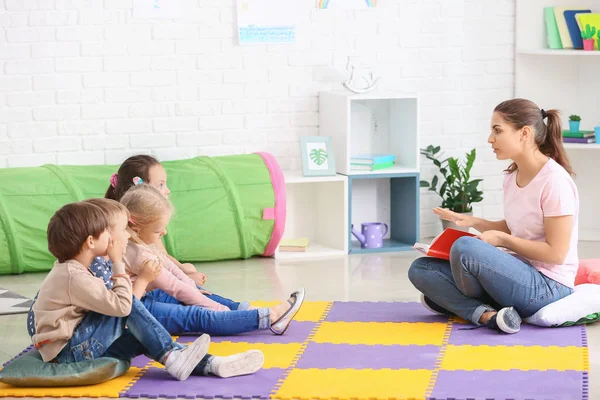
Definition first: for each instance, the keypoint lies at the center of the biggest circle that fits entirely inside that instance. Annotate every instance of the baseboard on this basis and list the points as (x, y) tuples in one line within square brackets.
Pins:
[(589, 235)]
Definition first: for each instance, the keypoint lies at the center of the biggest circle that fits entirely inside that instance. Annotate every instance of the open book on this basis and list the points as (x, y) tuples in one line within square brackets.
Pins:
[(441, 244)]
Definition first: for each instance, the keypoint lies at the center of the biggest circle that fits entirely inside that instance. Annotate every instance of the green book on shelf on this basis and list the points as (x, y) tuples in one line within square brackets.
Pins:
[(370, 167), (578, 134), (552, 32)]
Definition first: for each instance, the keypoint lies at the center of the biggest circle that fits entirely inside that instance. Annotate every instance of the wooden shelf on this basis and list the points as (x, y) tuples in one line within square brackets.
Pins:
[(582, 146), (388, 171), (388, 245), (297, 177), (553, 52), (314, 250)]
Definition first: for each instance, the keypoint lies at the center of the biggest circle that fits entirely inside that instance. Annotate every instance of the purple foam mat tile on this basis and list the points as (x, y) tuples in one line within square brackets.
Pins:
[(381, 312), (341, 356), (297, 332), (529, 335), (556, 385), (157, 382), (140, 361)]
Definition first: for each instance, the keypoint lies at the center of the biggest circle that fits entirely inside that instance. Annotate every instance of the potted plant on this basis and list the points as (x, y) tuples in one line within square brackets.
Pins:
[(457, 190), (588, 37), (574, 122)]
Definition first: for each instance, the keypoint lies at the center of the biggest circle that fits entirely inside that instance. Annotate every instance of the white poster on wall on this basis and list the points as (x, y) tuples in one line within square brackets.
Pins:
[(345, 4), (266, 21), (157, 9)]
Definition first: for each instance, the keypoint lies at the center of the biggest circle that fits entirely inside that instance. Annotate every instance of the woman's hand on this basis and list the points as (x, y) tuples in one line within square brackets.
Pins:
[(459, 219), (495, 238)]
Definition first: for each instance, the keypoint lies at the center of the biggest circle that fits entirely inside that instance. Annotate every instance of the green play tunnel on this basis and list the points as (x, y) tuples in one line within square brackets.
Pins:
[(225, 208)]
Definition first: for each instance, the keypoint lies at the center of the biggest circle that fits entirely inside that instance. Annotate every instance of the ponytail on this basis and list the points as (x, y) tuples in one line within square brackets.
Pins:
[(548, 136), (552, 145), (123, 180)]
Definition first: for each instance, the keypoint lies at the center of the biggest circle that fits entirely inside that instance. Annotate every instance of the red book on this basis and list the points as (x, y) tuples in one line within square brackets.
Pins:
[(441, 244)]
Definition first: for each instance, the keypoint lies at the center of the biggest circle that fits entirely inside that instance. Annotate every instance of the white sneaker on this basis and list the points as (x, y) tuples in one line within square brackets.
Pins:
[(237, 364), (181, 363)]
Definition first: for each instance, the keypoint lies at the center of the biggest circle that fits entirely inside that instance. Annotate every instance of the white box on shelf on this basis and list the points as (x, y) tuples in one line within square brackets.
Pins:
[(371, 123), (317, 208)]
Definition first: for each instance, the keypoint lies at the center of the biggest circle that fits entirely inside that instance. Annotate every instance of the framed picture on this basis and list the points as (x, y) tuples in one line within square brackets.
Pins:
[(317, 156)]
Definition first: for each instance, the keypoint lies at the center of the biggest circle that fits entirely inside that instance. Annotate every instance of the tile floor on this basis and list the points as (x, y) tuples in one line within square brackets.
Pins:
[(357, 278)]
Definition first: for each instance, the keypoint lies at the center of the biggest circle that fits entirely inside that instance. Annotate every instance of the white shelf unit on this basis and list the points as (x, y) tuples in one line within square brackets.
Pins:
[(372, 123), (317, 208), (566, 80), (377, 123)]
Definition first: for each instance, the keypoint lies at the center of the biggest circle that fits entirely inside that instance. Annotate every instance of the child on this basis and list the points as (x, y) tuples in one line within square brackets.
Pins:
[(90, 316), (175, 302), (145, 168)]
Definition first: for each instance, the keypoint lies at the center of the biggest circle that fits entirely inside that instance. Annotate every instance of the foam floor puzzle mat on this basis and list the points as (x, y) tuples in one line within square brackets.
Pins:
[(373, 350)]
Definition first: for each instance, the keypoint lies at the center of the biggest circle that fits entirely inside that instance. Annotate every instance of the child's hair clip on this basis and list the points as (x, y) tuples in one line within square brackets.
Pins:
[(137, 180), (131, 221), (113, 180)]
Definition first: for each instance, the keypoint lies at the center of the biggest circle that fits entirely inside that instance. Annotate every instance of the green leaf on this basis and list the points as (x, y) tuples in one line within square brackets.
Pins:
[(318, 156), (434, 181), (436, 149), (424, 184)]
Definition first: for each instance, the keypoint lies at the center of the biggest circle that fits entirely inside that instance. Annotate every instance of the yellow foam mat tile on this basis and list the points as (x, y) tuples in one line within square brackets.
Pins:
[(310, 311), (404, 333), (110, 388), (355, 384), (277, 355), (505, 358)]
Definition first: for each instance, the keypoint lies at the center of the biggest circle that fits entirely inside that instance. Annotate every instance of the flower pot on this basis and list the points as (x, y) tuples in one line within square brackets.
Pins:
[(450, 224), (588, 44), (574, 126)]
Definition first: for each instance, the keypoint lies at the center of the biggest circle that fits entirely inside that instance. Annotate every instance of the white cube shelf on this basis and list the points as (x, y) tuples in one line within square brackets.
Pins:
[(317, 208), (371, 123)]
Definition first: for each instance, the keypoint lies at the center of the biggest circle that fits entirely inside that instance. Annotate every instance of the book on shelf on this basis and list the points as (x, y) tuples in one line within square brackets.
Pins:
[(294, 245), (371, 167), (440, 246), (370, 159), (579, 140), (578, 134)]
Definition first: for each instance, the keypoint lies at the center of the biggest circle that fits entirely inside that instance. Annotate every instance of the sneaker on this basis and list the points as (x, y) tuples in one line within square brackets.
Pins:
[(433, 307), (181, 363), (238, 364), (507, 320)]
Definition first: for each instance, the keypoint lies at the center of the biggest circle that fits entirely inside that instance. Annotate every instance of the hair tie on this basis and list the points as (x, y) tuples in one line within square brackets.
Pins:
[(544, 114), (137, 180), (131, 221), (113, 180)]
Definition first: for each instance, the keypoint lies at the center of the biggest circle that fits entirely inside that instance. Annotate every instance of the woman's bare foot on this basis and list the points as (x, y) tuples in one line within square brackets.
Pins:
[(486, 316)]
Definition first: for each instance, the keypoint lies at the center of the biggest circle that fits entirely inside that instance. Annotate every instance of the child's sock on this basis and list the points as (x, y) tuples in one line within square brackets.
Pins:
[(181, 363), (237, 364)]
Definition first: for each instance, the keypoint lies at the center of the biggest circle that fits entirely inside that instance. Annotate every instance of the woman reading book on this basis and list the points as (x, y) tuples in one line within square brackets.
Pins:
[(518, 265)]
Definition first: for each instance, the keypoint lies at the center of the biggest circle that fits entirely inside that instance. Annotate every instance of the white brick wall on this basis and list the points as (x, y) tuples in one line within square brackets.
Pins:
[(81, 81)]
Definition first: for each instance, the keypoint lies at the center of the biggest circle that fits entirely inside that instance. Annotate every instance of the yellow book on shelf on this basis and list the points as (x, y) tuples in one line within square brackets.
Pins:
[(300, 242)]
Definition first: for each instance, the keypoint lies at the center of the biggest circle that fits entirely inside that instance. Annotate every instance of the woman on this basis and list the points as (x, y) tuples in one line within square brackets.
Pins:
[(497, 287)]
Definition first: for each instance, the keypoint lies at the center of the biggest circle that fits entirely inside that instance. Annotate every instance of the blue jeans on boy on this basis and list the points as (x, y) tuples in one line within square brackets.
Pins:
[(99, 335), (480, 277), (178, 318)]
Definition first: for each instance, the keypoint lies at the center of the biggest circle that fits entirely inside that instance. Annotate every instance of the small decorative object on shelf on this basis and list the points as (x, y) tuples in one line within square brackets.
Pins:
[(458, 191), (360, 73), (317, 156), (588, 37), (372, 234), (574, 121)]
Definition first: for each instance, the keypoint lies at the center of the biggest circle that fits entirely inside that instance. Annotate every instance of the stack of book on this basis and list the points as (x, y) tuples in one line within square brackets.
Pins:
[(372, 162), (293, 245), (579, 137)]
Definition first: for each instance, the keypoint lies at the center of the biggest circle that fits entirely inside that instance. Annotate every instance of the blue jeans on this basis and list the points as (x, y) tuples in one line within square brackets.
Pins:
[(479, 278), (99, 335), (179, 318)]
